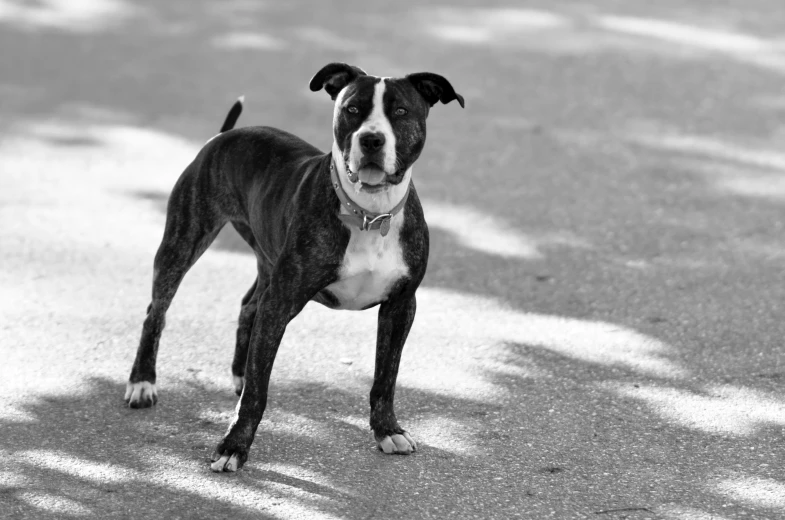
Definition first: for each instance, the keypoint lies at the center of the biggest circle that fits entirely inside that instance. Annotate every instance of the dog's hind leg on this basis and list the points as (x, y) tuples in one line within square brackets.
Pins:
[(247, 312), (244, 328), (192, 222)]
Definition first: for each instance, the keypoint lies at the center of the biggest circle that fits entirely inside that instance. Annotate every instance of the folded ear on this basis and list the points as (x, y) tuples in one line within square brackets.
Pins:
[(434, 88), (334, 76)]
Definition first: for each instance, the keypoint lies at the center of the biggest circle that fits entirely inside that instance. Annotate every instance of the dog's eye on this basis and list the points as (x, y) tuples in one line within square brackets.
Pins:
[(352, 109), (401, 111)]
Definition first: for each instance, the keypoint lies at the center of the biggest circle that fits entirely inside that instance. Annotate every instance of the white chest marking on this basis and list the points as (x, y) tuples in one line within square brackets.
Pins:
[(371, 265)]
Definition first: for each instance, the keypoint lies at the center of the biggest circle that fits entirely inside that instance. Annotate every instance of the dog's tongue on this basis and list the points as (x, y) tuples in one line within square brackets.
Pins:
[(371, 174)]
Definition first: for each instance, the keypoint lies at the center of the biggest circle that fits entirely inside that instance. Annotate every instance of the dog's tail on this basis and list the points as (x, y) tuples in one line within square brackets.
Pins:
[(233, 115)]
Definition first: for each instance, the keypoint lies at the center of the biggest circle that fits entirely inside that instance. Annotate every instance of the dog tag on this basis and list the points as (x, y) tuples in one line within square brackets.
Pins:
[(384, 228)]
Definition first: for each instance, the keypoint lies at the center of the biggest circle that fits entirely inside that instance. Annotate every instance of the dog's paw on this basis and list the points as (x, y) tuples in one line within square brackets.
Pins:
[(239, 383), (228, 458), (401, 443), (228, 463), (141, 395)]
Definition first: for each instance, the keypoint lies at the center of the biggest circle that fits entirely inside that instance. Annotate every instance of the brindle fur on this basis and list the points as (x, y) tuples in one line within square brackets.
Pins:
[(275, 189)]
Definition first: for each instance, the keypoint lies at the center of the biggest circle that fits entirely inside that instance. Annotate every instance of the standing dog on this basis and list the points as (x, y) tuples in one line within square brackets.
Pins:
[(345, 229)]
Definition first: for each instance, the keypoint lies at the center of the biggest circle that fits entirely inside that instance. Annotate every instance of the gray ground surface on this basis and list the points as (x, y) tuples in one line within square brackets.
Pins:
[(600, 331)]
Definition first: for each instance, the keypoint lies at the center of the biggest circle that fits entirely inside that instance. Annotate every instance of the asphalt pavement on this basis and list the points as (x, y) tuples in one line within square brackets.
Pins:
[(600, 331)]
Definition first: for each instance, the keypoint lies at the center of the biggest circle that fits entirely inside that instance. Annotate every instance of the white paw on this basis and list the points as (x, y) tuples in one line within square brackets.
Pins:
[(141, 395), (239, 383), (225, 463), (398, 443)]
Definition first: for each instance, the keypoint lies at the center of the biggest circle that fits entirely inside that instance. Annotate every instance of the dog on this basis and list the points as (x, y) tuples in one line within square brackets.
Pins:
[(345, 229)]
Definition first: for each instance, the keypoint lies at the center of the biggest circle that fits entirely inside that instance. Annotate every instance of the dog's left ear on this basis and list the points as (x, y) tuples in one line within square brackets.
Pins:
[(334, 76), (434, 88)]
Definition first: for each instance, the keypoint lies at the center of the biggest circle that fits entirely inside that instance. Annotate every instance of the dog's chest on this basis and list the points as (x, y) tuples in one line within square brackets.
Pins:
[(371, 266)]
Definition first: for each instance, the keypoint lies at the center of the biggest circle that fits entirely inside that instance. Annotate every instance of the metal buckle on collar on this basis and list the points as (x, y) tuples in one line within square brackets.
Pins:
[(384, 227)]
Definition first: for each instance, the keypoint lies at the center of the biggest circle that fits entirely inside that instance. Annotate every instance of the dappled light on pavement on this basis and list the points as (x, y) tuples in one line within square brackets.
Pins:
[(599, 334), (462, 347), (167, 472), (715, 409), (711, 148), (488, 234), (456, 357), (756, 491), (83, 469), (742, 47), (478, 26), (454, 318), (689, 35), (80, 16), (54, 504), (581, 32), (747, 170), (248, 40), (689, 513), (747, 181)]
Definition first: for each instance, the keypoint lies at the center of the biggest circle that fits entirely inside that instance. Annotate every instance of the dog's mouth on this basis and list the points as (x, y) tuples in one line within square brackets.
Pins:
[(371, 174), (373, 178)]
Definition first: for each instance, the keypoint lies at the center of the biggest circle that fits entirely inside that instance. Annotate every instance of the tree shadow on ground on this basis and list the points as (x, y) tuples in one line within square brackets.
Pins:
[(110, 461), (505, 155), (648, 266), (89, 455)]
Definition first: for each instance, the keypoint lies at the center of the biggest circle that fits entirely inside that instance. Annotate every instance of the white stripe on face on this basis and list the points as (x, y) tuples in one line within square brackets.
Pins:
[(338, 106), (377, 122)]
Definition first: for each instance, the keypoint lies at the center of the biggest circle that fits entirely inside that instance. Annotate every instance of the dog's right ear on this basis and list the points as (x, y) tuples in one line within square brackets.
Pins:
[(334, 76), (434, 88)]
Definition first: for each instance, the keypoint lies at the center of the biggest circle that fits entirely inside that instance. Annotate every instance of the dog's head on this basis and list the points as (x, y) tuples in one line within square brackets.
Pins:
[(379, 123)]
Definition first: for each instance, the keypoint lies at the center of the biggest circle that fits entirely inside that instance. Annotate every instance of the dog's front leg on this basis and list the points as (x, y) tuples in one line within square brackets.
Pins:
[(395, 320), (281, 302)]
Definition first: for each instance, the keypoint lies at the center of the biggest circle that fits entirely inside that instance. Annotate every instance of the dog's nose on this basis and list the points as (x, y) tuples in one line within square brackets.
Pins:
[(371, 142)]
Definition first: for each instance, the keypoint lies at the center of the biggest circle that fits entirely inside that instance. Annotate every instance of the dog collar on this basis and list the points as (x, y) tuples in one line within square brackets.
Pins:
[(360, 217)]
